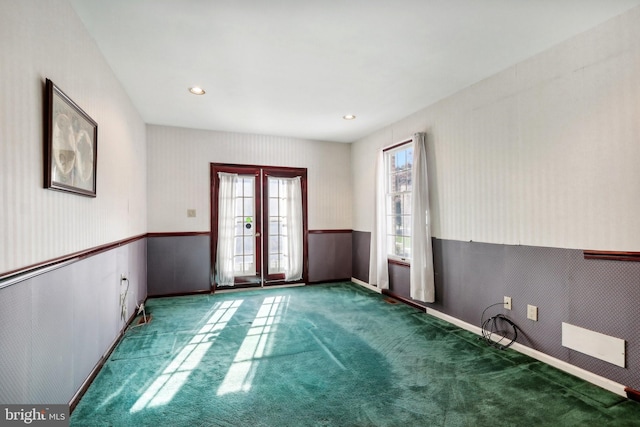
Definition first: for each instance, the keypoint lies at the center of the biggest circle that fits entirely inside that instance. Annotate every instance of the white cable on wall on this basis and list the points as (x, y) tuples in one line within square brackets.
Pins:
[(123, 299)]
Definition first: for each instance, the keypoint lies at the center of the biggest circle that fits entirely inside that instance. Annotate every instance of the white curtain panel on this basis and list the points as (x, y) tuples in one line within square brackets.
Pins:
[(378, 264), (226, 226), (421, 275), (293, 211)]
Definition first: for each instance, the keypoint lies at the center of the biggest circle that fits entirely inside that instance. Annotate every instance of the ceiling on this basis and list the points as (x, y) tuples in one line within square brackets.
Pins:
[(295, 67)]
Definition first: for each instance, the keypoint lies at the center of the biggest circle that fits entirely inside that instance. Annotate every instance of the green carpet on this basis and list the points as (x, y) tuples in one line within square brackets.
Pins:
[(327, 355)]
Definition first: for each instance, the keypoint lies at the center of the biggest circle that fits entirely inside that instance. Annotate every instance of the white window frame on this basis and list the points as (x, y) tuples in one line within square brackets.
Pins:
[(398, 221)]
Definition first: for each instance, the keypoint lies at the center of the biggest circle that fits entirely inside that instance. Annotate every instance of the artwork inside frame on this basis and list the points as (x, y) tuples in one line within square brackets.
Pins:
[(71, 145)]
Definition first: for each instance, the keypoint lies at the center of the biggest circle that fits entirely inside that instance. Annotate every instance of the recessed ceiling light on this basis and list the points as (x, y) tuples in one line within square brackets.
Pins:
[(197, 90), (349, 117)]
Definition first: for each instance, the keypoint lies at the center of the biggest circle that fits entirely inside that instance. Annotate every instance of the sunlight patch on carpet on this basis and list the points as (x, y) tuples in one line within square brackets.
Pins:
[(257, 344), (176, 373)]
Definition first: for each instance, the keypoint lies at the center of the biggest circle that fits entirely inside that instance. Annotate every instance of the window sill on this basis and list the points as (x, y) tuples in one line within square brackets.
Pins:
[(405, 263)]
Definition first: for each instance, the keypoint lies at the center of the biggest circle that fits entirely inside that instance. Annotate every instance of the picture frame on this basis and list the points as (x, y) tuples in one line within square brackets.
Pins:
[(71, 145)]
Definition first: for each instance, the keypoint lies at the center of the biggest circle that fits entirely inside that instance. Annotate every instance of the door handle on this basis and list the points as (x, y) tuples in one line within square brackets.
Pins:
[(257, 234)]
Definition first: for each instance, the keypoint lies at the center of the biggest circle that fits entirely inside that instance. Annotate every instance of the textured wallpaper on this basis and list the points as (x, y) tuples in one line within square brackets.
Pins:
[(40, 40), (543, 153), (178, 164)]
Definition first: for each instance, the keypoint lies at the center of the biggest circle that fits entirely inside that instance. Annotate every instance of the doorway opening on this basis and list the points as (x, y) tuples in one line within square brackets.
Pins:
[(258, 226)]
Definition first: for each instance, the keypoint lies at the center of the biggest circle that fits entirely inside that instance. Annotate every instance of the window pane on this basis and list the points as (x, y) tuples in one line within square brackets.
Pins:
[(248, 265), (273, 245), (238, 246), (406, 252), (274, 263), (397, 182), (248, 245), (401, 159), (238, 206), (397, 225), (248, 207), (391, 244), (273, 187), (403, 181), (396, 205), (273, 226), (247, 231), (398, 246), (237, 264), (273, 207), (248, 187), (406, 225), (406, 204), (239, 231), (391, 183)]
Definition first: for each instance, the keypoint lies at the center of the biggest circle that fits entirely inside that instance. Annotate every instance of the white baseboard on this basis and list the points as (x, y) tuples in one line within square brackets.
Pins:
[(366, 285), (603, 382)]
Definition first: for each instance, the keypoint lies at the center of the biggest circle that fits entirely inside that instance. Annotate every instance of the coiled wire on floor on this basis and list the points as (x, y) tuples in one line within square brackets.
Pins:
[(498, 331)]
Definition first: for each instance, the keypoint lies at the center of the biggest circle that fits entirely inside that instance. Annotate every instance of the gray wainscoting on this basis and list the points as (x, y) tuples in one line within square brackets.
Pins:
[(55, 327), (178, 264), (329, 255), (602, 296), (360, 255)]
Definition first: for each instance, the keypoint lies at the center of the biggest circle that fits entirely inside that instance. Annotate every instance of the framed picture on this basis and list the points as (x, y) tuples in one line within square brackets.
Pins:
[(71, 145)]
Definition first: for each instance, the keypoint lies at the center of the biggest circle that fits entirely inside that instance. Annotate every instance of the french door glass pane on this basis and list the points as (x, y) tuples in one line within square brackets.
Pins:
[(277, 226), (244, 251)]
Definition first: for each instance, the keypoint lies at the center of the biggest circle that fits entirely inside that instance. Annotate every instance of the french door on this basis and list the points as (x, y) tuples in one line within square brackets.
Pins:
[(256, 215)]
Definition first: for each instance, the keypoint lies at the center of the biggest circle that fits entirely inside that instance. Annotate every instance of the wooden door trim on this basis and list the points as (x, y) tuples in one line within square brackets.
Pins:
[(277, 171)]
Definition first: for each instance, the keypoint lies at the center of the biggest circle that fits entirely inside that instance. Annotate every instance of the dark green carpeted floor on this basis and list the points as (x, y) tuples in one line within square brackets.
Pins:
[(327, 355)]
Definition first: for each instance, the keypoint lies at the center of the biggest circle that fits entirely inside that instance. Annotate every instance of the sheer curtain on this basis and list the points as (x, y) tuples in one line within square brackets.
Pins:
[(421, 275), (226, 226), (378, 264), (293, 211)]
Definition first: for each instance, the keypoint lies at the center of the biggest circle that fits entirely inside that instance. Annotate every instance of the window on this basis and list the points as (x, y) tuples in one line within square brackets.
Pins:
[(398, 164)]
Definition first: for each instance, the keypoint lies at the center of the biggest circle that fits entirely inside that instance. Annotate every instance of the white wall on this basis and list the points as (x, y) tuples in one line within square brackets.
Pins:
[(46, 39), (56, 326), (544, 153), (178, 174)]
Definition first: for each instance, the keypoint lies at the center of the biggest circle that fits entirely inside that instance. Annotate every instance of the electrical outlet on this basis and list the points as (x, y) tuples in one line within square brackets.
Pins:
[(532, 312), (191, 213), (507, 303)]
